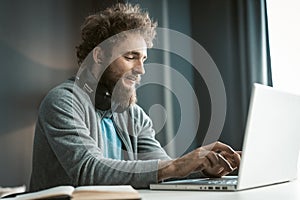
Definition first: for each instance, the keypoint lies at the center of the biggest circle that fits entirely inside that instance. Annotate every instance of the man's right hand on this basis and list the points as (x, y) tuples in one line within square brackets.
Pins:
[(213, 160)]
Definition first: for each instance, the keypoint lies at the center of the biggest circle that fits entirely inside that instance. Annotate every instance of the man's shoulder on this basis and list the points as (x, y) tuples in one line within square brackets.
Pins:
[(67, 85), (66, 88), (65, 92)]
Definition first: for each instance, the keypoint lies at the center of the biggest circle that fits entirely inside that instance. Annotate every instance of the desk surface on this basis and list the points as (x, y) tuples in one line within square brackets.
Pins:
[(283, 191)]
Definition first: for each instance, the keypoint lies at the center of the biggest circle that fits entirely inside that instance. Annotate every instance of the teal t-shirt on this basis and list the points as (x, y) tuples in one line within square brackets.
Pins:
[(111, 140)]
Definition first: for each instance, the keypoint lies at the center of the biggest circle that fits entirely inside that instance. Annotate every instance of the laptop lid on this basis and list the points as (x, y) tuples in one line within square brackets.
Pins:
[(270, 148), (272, 138)]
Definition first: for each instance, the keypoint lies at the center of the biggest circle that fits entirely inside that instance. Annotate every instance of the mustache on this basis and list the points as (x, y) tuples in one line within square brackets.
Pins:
[(134, 77)]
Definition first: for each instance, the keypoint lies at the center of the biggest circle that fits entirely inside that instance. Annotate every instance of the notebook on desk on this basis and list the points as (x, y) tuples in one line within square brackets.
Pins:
[(270, 148)]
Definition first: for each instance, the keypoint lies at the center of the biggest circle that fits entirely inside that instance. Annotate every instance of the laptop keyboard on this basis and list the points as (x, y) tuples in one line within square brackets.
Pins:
[(223, 181)]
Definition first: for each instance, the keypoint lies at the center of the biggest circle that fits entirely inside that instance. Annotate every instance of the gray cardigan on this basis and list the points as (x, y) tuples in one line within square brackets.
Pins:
[(68, 144)]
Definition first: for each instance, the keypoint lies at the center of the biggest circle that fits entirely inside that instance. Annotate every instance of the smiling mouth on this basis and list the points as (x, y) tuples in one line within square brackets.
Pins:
[(132, 79)]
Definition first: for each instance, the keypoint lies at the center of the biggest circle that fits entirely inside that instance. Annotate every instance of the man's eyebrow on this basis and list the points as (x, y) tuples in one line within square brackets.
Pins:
[(133, 52), (136, 53)]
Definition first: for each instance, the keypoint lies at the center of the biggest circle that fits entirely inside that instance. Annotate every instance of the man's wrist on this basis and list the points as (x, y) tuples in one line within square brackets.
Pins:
[(165, 170)]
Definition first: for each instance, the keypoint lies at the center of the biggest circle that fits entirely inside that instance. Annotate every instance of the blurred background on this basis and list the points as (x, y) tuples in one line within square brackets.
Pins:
[(249, 41)]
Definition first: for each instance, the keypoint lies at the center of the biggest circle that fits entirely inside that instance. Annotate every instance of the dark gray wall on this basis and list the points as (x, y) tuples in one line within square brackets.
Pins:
[(37, 51)]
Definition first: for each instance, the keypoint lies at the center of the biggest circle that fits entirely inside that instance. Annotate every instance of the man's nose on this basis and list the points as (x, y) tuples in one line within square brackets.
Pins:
[(139, 68)]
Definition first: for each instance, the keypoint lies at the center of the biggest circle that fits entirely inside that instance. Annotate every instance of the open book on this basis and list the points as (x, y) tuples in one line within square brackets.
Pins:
[(83, 192), (4, 191)]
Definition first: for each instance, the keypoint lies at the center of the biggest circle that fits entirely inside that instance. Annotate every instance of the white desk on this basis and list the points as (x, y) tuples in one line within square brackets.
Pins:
[(284, 191)]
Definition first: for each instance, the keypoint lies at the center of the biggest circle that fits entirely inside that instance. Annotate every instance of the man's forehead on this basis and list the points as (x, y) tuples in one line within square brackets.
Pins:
[(131, 43)]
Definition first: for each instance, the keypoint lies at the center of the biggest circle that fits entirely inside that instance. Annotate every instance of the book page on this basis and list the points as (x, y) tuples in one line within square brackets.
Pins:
[(105, 192), (4, 191), (47, 193), (106, 188)]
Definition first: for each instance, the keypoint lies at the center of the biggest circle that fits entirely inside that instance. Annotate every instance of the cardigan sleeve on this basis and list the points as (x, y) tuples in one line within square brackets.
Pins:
[(149, 147)]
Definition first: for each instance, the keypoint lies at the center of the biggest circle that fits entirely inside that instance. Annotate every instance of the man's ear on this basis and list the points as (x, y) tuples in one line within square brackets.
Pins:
[(98, 59), (97, 55)]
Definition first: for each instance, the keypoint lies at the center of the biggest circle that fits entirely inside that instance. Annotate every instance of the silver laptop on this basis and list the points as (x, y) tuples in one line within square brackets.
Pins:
[(270, 149)]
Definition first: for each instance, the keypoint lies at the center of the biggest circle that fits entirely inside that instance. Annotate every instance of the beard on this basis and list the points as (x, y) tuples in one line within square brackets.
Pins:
[(121, 96)]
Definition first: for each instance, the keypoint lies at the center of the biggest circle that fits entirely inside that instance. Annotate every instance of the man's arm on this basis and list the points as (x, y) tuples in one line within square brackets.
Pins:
[(214, 160)]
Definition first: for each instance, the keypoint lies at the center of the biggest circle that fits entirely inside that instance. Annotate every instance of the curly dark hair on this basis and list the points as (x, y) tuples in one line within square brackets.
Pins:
[(114, 20)]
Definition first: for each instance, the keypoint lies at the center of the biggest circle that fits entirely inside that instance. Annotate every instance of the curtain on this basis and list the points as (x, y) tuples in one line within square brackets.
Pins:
[(235, 34)]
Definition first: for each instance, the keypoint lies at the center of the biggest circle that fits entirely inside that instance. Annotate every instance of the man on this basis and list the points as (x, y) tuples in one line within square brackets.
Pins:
[(89, 129)]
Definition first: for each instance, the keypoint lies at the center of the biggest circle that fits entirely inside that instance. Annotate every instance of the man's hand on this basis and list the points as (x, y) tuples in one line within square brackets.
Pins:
[(216, 160), (223, 160)]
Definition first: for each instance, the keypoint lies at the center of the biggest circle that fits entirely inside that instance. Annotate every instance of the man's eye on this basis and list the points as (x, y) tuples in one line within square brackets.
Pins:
[(129, 57)]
